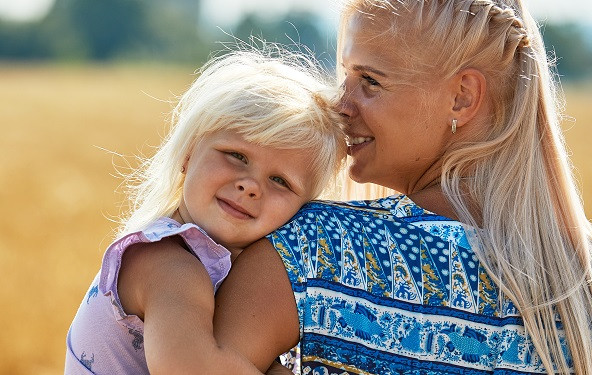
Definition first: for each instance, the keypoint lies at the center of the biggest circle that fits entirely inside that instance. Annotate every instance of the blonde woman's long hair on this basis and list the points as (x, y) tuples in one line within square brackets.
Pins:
[(535, 239), (272, 97)]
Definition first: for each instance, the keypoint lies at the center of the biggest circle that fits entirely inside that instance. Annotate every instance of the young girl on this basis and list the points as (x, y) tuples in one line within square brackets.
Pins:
[(254, 138)]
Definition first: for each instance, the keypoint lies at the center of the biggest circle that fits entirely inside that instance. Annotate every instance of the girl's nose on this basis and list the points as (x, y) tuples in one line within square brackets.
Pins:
[(249, 186)]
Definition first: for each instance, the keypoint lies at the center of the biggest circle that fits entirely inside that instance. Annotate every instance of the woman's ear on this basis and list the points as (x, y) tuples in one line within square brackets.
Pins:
[(468, 89), (185, 163)]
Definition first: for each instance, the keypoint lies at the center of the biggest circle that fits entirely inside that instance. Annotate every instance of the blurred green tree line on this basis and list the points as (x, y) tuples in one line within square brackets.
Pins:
[(175, 31)]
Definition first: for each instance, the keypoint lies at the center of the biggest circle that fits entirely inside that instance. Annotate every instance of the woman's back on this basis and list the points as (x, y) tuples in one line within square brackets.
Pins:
[(385, 286)]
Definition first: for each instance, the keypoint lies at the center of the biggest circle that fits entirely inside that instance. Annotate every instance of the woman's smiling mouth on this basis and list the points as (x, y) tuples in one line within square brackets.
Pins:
[(356, 143), (352, 141)]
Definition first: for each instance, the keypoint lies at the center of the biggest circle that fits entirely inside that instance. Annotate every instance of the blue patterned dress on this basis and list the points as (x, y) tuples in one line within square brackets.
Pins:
[(386, 287)]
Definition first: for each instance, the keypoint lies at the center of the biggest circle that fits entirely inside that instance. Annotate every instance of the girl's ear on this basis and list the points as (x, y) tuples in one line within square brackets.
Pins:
[(468, 90)]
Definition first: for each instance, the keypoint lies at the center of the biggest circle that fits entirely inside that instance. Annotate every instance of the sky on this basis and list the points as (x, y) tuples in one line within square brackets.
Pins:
[(225, 12), (22, 10)]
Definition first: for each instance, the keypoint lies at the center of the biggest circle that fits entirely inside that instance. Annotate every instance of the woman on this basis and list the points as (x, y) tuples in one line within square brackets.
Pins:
[(484, 263)]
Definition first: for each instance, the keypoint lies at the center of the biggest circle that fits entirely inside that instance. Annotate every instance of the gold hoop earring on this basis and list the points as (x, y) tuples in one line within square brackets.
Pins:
[(454, 122)]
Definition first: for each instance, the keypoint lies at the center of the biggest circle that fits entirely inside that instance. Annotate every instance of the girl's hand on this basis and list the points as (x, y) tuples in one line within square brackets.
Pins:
[(276, 368)]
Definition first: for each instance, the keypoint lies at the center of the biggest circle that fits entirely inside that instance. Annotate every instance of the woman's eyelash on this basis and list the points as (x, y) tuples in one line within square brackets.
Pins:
[(370, 80)]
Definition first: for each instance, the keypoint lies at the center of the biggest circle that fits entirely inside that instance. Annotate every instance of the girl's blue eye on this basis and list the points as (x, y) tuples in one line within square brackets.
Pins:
[(279, 180), (238, 156)]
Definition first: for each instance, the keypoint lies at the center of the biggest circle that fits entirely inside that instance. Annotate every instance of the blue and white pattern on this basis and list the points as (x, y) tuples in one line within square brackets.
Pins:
[(385, 287)]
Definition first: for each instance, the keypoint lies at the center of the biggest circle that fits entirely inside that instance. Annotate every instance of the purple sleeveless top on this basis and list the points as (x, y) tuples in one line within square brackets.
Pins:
[(103, 339)]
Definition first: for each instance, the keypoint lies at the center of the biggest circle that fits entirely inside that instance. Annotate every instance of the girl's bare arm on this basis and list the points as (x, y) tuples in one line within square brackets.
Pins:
[(171, 291)]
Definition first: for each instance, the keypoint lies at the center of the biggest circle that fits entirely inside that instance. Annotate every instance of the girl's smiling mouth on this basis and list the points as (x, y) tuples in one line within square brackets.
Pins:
[(233, 209)]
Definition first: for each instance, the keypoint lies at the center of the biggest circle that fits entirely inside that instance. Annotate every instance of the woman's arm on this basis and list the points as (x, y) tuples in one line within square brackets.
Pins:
[(278, 369), (256, 312), (171, 291)]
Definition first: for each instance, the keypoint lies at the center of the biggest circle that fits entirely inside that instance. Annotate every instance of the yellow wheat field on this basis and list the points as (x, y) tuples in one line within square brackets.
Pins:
[(58, 187)]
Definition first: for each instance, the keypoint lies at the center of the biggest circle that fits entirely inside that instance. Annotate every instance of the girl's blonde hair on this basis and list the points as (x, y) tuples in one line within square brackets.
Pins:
[(535, 237), (272, 97)]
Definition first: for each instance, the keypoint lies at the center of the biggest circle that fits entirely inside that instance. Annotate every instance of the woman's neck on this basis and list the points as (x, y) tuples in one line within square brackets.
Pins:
[(433, 199)]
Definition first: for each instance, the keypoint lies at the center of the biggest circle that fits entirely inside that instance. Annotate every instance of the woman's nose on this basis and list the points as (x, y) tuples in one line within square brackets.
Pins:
[(345, 105), (346, 109), (249, 186)]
